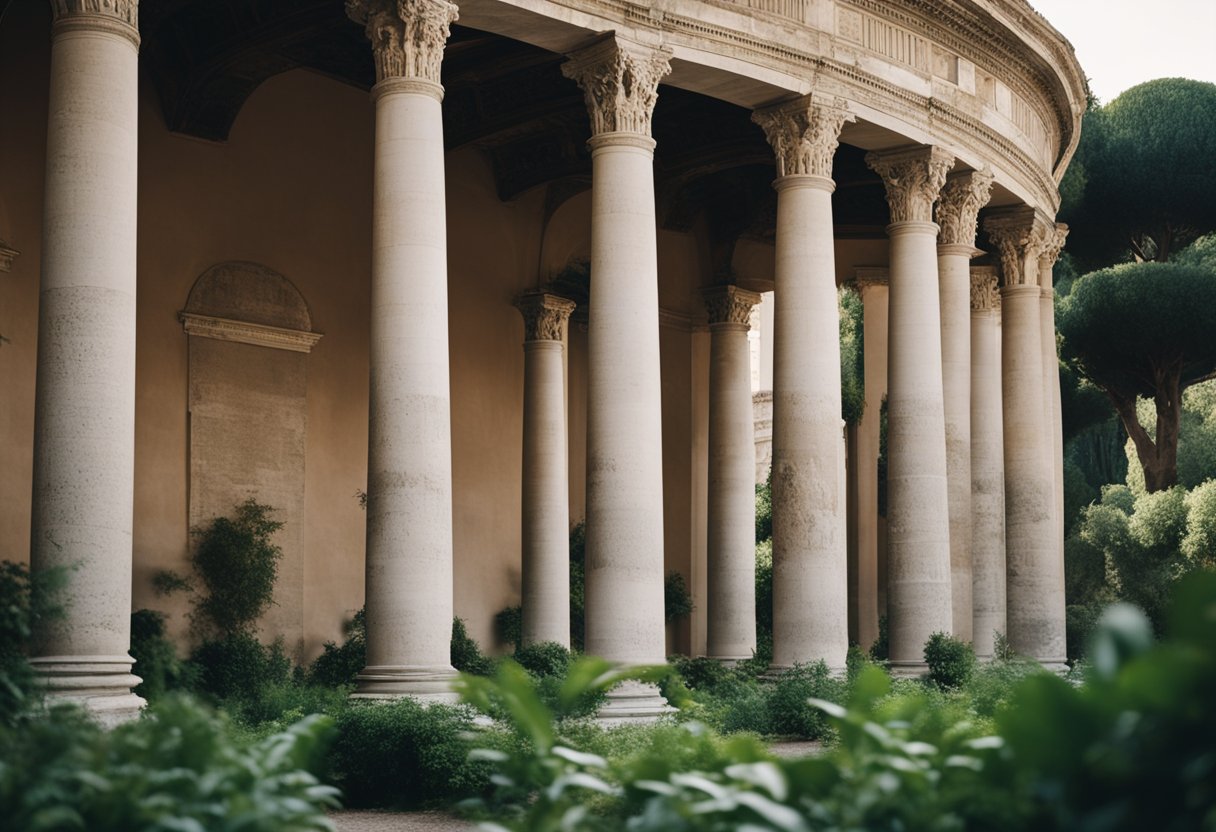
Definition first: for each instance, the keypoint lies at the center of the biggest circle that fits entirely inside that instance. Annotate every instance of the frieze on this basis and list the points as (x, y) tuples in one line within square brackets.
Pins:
[(958, 207), (804, 133), (913, 178), (620, 82), (545, 315), (407, 36)]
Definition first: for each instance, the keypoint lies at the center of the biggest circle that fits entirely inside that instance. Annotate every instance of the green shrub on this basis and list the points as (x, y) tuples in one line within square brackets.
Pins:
[(578, 595), (238, 564), (403, 754), (764, 509), (27, 603), (677, 600), (156, 660), (764, 600), (338, 665), (546, 658), (703, 673), (1199, 544), (175, 769), (880, 650), (991, 686), (238, 666), (509, 626), (951, 661), (466, 654), (790, 712)]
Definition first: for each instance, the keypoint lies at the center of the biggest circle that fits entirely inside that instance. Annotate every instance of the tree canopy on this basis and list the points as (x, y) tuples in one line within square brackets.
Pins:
[(1143, 182)]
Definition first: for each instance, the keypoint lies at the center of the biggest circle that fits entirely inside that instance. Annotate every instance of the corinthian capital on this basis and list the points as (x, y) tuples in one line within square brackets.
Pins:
[(913, 178), (958, 207), (119, 16), (730, 305), (1051, 253), (545, 315), (1021, 235), (407, 35), (620, 83), (804, 133), (984, 294)]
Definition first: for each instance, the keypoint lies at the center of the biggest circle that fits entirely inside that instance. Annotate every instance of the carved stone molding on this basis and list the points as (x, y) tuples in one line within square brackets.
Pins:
[(407, 36), (1051, 253), (117, 16), (620, 82), (804, 133), (730, 305), (7, 255), (913, 178), (984, 294), (545, 315), (1021, 235), (958, 207), (867, 276), (245, 332)]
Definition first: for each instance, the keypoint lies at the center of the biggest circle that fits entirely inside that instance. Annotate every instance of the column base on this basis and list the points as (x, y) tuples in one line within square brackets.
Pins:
[(1057, 666), (730, 661), (907, 670), (776, 671), (102, 685), (423, 684), (633, 703)]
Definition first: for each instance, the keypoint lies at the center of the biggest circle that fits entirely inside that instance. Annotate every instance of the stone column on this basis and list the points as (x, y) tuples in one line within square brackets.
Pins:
[(409, 466), (1034, 571), (545, 537), (624, 555), (731, 538), (810, 566), (918, 524), (84, 420), (872, 284), (1051, 376), (987, 465), (957, 210)]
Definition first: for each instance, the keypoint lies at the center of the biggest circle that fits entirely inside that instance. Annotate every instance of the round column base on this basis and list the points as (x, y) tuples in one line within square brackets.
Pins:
[(424, 684), (908, 670), (102, 685), (633, 703), (776, 671), (731, 661)]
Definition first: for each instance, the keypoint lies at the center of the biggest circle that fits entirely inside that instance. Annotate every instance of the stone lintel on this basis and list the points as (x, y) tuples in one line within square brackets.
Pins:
[(244, 332)]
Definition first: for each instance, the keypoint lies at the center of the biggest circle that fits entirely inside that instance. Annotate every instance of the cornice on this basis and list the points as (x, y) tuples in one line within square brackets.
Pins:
[(243, 332)]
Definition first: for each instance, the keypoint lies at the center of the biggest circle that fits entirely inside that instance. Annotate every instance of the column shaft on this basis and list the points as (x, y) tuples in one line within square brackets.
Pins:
[(872, 589), (731, 538), (987, 468), (84, 434)]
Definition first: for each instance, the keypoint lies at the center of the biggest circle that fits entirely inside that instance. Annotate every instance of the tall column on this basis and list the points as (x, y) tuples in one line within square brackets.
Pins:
[(810, 560), (1034, 571), (957, 210), (987, 465), (731, 538), (624, 555), (872, 284), (409, 464), (918, 524), (84, 419), (1051, 376), (545, 537)]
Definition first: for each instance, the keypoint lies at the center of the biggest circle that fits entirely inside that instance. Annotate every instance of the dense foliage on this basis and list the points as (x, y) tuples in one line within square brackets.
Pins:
[(951, 661), (27, 602), (852, 356)]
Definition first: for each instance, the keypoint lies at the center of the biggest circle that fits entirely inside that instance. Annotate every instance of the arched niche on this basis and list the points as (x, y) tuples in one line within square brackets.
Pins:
[(250, 333)]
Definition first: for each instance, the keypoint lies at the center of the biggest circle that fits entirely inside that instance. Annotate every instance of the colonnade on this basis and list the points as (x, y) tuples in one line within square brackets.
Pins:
[(963, 492)]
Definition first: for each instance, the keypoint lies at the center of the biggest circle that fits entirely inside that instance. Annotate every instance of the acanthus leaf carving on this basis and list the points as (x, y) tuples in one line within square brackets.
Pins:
[(804, 134), (984, 293), (1020, 236), (544, 315), (1051, 251), (620, 83), (730, 305), (913, 178), (124, 11), (958, 207), (407, 36)]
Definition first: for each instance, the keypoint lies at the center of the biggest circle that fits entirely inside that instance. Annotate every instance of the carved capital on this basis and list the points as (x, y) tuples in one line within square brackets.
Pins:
[(730, 305), (118, 16), (1020, 235), (804, 133), (867, 276), (620, 83), (7, 255), (958, 207), (545, 315), (913, 178), (984, 294), (1051, 253), (407, 36)]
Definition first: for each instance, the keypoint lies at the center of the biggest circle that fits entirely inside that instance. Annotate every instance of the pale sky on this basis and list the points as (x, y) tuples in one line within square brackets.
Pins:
[(1121, 43)]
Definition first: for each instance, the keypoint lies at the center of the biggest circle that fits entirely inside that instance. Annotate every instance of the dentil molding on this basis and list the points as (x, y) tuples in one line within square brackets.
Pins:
[(407, 36), (620, 82), (804, 133), (958, 207), (545, 315), (913, 178)]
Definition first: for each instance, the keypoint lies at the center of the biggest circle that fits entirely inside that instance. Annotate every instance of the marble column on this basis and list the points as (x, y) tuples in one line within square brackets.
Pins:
[(987, 465), (865, 586), (918, 519), (1051, 375), (409, 467), (624, 554), (731, 528), (810, 559), (545, 499), (958, 207), (84, 418), (1033, 568)]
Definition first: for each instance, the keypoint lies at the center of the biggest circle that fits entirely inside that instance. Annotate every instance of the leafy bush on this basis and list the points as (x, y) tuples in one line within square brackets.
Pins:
[(156, 660), (27, 602), (578, 595), (238, 564), (405, 754), (880, 650), (951, 661), (764, 602), (546, 658), (677, 600), (466, 654), (789, 710), (764, 509), (509, 626), (339, 664), (175, 769), (702, 673), (238, 666)]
